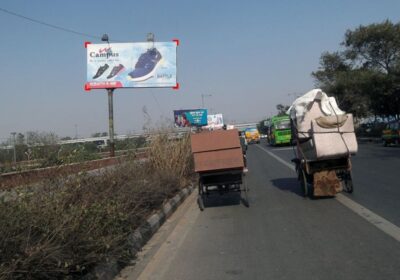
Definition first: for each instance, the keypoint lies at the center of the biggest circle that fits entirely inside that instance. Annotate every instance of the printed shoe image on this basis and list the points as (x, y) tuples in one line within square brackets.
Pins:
[(146, 65), (115, 71), (100, 71)]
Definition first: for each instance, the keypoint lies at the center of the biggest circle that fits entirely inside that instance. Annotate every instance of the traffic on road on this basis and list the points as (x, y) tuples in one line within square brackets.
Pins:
[(283, 235)]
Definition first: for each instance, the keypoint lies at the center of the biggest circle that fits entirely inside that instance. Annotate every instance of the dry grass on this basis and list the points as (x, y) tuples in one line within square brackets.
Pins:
[(65, 229)]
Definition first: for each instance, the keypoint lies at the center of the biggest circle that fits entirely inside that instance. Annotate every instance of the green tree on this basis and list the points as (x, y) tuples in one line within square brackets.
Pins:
[(262, 128), (364, 77), (282, 109)]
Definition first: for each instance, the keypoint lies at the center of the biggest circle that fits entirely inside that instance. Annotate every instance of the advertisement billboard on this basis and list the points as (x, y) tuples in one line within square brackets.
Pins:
[(130, 65), (215, 121), (188, 118)]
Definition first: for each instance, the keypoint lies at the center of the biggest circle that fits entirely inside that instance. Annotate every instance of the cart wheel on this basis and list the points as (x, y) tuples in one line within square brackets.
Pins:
[(200, 202), (200, 187), (245, 191), (303, 182), (348, 182), (200, 196)]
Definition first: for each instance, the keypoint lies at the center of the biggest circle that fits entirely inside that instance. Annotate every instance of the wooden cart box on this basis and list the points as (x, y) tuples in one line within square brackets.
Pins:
[(217, 150)]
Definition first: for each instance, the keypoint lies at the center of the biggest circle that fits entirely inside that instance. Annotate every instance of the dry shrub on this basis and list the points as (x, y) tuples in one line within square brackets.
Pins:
[(65, 228), (172, 157)]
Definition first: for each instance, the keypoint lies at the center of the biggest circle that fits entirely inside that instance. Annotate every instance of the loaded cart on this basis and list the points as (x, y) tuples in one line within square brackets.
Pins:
[(218, 161), (325, 141)]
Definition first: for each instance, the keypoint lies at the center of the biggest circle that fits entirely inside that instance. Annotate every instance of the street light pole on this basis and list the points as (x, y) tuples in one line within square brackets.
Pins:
[(202, 99), (15, 152)]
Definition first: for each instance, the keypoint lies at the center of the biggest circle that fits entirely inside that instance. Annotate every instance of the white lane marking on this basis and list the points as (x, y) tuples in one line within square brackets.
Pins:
[(376, 220), (291, 166)]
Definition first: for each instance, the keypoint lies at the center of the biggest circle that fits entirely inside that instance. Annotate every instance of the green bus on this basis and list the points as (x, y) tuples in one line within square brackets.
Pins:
[(279, 131)]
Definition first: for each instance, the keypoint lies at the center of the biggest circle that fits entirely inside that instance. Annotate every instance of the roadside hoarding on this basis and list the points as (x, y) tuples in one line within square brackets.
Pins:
[(130, 65), (215, 121), (188, 118)]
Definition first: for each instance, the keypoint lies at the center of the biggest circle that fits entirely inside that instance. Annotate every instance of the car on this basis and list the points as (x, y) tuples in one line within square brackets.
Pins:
[(391, 133)]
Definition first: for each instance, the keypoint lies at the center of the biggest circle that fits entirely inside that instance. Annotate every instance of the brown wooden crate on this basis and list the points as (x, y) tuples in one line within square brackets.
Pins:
[(215, 140), (218, 160)]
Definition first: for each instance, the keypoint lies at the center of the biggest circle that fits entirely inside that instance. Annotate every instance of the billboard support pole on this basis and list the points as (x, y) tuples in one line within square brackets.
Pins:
[(110, 92)]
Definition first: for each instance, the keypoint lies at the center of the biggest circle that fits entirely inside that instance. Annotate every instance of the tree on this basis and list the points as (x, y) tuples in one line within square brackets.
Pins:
[(365, 76), (262, 128), (375, 46), (282, 109), (41, 138)]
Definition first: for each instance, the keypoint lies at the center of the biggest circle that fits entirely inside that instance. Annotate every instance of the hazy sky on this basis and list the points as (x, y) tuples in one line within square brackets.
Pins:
[(249, 55)]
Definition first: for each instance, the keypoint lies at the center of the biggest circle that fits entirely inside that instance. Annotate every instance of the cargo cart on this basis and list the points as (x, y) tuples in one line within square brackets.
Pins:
[(324, 146), (218, 161)]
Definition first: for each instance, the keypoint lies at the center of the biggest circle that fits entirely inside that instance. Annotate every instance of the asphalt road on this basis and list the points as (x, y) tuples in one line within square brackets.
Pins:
[(376, 177), (282, 235)]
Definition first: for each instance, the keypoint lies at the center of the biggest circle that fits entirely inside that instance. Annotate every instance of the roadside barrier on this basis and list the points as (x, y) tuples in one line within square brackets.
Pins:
[(13, 179)]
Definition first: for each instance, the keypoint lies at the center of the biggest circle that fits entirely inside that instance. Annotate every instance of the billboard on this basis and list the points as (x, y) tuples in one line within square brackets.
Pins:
[(215, 121), (130, 65), (188, 118)]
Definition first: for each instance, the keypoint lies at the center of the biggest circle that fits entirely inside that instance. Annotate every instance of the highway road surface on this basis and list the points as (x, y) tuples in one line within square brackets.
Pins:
[(283, 235)]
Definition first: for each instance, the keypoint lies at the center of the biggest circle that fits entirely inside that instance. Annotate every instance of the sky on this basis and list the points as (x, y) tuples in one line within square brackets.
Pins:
[(248, 55)]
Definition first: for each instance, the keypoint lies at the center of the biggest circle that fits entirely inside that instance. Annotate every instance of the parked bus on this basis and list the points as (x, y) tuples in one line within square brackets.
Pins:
[(279, 131)]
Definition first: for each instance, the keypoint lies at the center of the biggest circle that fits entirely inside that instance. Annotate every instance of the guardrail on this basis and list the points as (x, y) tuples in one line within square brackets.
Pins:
[(13, 179)]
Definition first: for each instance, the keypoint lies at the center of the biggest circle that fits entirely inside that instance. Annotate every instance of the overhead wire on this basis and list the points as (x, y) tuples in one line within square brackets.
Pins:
[(50, 25)]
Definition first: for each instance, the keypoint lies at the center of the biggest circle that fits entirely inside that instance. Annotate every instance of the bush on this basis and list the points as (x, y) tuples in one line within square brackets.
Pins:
[(171, 157), (65, 228)]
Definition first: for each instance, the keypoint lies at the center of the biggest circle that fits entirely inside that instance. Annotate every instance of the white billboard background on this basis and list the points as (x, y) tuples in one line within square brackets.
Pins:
[(215, 121), (127, 55)]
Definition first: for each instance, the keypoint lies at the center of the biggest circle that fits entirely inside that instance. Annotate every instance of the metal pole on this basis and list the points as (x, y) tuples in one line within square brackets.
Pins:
[(15, 152), (202, 98), (111, 121)]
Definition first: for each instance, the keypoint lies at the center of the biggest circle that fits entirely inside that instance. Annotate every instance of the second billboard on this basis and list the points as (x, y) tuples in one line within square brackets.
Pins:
[(192, 117)]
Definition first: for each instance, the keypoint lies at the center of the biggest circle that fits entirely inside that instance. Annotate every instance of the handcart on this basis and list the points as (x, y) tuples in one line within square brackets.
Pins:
[(324, 145), (324, 177), (218, 161)]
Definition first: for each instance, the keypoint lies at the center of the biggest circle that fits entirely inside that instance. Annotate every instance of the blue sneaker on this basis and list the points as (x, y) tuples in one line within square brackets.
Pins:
[(146, 65)]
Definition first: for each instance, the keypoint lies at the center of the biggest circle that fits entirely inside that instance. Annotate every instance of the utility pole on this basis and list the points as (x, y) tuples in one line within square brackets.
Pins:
[(202, 99), (110, 92), (76, 131), (15, 152)]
